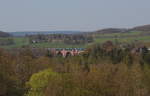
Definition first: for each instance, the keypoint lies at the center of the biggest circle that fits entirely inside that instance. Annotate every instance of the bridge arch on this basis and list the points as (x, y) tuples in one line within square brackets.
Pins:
[(68, 54), (59, 54)]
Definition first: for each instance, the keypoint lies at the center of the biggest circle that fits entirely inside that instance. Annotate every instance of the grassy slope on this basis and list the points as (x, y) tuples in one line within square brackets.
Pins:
[(19, 41), (144, 39), (126, 39), (121, 34)]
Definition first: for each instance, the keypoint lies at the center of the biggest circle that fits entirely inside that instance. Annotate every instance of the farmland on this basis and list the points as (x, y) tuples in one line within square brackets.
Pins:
[(81, 39), (100, 38), (24, 41)]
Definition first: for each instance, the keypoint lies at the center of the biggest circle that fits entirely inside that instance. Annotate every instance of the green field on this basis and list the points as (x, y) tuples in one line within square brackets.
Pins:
[(24, 41), (127, 39), (19, 42), (123, 37), (121, 34)]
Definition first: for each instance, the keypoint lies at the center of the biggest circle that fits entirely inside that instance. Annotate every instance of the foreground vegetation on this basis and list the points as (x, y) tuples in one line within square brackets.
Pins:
[(102, 70)]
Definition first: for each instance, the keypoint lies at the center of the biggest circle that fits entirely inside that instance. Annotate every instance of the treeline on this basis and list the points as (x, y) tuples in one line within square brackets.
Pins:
[(6, 41), (65, 38), (4, 34), (102, 70)]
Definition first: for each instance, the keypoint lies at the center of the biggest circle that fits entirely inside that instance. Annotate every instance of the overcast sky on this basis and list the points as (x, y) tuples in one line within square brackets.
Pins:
[(87, 15)]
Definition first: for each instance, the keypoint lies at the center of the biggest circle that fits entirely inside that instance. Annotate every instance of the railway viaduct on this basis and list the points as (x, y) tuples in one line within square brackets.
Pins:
[(66, 51)]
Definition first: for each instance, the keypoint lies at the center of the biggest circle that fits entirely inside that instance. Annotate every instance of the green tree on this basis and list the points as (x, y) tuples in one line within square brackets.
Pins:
[(39, 82)]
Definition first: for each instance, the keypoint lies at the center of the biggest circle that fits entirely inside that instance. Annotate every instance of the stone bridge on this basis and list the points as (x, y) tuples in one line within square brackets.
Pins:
[(65, 52)]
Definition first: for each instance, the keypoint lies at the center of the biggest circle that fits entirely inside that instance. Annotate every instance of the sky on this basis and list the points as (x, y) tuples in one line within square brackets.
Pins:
[(83, 15)]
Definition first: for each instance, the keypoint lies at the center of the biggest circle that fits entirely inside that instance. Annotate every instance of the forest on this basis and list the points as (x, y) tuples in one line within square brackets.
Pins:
[(107, 69)]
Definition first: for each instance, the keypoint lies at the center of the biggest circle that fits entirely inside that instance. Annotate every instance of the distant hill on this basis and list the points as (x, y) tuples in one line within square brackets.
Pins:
[(4, 34), (142, 28), (111, 30), (43, 32)]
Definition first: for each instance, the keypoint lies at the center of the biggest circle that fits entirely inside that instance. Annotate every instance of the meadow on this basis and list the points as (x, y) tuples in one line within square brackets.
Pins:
[(128, 37), (24, 41)]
